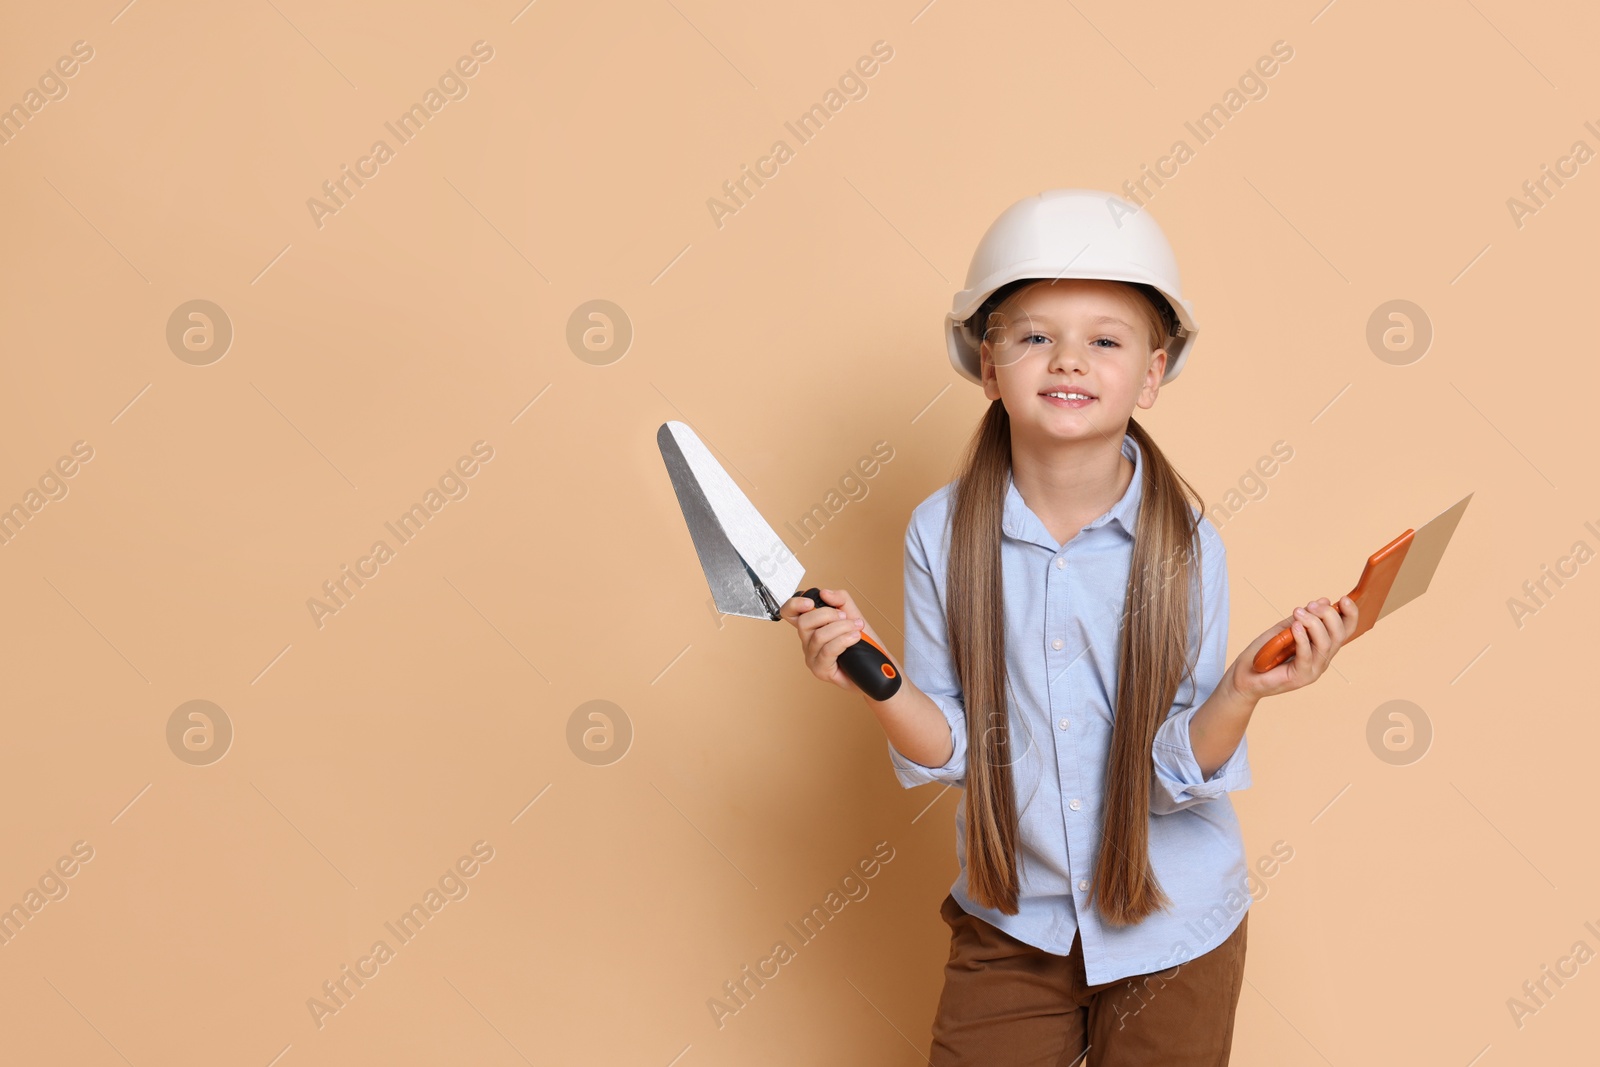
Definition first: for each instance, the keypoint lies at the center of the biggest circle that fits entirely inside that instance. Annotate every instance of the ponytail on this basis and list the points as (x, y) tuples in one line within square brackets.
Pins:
[(976, 622)]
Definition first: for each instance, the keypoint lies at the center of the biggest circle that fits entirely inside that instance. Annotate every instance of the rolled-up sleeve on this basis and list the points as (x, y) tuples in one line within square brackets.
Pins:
[(928, 665), (1177, 782)]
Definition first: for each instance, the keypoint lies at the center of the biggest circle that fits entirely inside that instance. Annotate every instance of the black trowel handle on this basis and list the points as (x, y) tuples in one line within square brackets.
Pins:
[(865, 663)]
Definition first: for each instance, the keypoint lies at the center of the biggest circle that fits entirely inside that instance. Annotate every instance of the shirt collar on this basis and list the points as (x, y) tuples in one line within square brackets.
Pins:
[(1021, 523)]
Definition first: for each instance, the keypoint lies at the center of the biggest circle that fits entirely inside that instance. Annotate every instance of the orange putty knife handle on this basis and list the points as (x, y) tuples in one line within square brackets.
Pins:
[(1369, 594)]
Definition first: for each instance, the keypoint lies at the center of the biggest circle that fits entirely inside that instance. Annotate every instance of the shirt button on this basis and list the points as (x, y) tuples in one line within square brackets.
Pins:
[(1083, 883), (1064, 724), (1074, 805), (1060, 562), (1056, 644)]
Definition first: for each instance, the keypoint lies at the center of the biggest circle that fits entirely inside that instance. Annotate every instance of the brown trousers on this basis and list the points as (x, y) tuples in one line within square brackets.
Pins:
[(1008, 1004)]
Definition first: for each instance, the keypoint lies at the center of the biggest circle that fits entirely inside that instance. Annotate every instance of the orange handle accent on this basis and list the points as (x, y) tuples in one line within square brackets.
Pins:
[(1369, 594), (865, 662)]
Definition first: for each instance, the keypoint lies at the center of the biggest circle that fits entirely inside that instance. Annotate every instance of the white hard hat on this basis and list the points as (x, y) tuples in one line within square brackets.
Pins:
[(1070, 233)]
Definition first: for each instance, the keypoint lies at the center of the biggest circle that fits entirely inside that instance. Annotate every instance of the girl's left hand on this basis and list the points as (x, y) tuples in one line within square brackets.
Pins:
[(1319, 629)]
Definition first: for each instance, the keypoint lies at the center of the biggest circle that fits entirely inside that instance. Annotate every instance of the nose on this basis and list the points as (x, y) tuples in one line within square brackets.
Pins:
[(1065, 358)]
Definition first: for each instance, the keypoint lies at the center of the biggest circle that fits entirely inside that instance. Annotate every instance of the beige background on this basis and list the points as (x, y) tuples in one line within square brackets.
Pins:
[(432, 310)]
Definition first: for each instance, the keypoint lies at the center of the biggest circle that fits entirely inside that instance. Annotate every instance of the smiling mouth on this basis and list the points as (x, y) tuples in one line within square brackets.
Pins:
[(1068, 398)]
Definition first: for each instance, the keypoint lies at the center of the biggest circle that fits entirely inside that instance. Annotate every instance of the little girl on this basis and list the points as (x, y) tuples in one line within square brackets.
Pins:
[(1066, 612)]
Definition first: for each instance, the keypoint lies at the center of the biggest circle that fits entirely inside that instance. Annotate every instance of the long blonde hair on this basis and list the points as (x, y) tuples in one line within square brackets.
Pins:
[(1152, 658)]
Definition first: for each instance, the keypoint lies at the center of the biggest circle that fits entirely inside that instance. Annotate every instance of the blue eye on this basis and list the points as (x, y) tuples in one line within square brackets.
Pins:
[(1029, 339)]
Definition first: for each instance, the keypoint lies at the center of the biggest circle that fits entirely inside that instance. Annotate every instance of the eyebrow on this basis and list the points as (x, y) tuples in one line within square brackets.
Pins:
[(1020, 318)]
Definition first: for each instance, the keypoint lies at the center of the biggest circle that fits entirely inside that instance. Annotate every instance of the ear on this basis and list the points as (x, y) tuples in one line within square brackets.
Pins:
[(991, 384), (1152, 378)]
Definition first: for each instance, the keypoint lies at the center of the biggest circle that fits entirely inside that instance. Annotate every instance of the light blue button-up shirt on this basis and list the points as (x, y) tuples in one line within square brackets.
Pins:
[(1064, 604)]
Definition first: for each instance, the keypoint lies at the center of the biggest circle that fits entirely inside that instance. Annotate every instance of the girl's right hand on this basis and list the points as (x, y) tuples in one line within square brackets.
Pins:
[(826, 630)]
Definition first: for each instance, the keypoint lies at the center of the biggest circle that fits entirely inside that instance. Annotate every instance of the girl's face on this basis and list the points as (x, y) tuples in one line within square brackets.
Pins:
[(1071, 336)]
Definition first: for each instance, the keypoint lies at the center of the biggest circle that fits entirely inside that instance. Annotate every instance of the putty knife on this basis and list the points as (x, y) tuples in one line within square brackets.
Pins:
[(1395, 575)]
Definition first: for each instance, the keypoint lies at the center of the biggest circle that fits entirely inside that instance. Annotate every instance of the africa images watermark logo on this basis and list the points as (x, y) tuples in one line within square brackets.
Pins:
[(51, 886), (1251, 86), (740, 990), (52, 86), (852, 85), (452, 885), (452, 85), (452, 485), (52, 486)]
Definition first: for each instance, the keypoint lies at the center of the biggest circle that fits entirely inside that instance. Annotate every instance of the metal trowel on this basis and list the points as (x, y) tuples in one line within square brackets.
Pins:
[(749, 568)]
